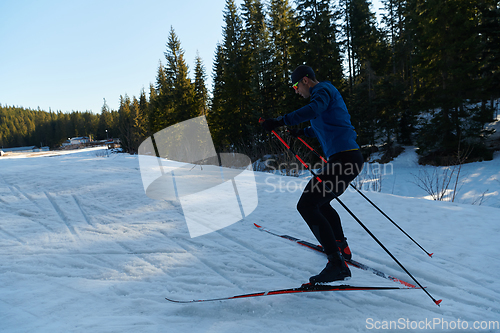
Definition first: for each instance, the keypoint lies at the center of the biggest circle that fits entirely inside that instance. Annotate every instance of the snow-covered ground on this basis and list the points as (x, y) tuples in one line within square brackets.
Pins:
[(477, 184), (83, 249)]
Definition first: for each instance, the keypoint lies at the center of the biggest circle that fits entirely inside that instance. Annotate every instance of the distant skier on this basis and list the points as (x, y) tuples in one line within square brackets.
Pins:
[(330, 123)]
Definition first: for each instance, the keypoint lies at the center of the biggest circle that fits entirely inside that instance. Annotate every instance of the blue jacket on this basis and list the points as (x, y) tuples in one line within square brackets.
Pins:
[(329, 118)]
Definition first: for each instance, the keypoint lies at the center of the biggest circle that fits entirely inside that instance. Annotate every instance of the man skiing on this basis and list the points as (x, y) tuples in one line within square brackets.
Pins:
[(330, 124)]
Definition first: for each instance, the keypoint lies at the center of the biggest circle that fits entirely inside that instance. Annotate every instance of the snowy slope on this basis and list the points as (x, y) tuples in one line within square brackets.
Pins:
[(479, 183), (83, 249)]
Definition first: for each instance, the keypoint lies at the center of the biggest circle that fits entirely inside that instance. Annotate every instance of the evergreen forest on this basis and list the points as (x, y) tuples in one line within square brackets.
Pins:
[(427, 74)]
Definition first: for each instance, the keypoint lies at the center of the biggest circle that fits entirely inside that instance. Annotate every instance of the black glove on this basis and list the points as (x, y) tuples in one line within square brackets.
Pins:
[(296, 132), (271, 123)]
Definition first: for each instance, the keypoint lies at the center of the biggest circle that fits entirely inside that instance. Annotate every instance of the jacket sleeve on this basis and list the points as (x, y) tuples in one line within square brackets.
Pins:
[(319, 103)]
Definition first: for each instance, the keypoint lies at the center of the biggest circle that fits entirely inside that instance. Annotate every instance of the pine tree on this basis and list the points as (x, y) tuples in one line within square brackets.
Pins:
[(173, 98), (200, 89), (395, 91), (229, 116), (138, 122), (447, 51), (105, 123), (320, 48), (145, 129), (363, 36), (489, 55), (176, 71), (161, 102), (216, 103), (256, 60), (125, 124), (367, 63), (284, 34)]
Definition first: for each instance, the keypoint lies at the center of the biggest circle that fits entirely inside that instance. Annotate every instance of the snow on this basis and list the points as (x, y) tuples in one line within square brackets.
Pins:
[(83, 249), (479, 183)]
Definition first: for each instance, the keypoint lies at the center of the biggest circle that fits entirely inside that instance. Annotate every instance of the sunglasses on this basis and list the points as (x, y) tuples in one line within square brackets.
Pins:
[(296, 85)]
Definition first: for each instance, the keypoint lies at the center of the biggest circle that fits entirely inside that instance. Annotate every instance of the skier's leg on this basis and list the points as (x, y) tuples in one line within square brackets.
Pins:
[(322, 219), (309, 208), (333, 219)]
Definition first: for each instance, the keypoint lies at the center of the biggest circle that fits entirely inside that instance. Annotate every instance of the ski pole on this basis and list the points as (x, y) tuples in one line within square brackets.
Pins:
[(373, 204), (437, 302)]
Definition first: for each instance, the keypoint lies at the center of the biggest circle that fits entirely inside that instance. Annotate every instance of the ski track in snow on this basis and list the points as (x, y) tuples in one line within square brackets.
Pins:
[(83, 249), (12, 236), (63, 216), (85, 215)]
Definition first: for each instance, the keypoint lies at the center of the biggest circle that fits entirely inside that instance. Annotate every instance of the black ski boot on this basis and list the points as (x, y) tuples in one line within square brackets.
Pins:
[(336, 270), (344, 249)]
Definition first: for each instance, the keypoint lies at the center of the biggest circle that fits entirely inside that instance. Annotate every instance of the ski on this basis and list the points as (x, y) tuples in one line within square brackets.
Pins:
[(351, 262), (305, 288)]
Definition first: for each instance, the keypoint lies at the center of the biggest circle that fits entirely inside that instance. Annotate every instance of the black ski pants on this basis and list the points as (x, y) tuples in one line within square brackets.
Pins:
[(314, 203)]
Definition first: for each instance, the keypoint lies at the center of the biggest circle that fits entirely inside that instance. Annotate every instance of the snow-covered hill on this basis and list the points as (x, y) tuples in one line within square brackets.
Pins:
[(83, 249)]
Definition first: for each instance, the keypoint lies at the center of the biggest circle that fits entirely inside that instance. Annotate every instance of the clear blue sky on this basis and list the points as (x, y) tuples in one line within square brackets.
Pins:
[(70, 54)]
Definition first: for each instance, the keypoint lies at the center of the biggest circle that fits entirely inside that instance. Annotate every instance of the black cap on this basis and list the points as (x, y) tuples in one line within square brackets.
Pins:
[(302, 71)]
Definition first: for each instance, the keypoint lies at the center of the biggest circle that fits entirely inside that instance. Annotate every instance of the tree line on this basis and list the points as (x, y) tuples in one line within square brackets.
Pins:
[(427, 75), (26, 127)]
